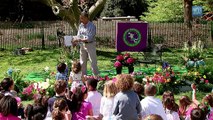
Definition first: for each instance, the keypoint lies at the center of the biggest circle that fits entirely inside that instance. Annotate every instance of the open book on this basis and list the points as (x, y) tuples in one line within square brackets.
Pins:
[(68, 40)]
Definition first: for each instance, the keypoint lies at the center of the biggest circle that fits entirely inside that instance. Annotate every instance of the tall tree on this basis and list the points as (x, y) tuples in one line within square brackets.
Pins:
[(115, 8), (188, 13), (70, 10)]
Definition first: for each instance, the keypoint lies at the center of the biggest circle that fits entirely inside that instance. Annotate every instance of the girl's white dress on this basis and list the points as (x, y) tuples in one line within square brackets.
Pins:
[(106, 107), (172, 115), (76, 79)]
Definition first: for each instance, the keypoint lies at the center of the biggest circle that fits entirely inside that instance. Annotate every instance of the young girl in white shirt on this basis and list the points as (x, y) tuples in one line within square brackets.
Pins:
[(107, 100), (168, 104), (76, 76)]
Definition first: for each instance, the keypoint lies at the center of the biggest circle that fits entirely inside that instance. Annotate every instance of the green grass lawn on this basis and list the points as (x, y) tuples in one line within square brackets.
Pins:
[(37, 60)]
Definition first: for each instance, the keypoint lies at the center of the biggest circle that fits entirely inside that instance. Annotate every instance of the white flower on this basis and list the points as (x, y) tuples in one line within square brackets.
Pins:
[(36, 85), (48, 80), (44, 85), (46, 69), (144, 79), (55, 10)]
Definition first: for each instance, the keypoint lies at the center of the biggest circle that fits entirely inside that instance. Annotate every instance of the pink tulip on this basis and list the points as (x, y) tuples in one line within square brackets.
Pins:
[(119, 58), (206, 81), (117, 64), (130, 60)]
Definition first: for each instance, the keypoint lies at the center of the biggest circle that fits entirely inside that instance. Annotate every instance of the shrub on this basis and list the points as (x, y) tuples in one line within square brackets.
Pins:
[(32, 36), (51, 37)]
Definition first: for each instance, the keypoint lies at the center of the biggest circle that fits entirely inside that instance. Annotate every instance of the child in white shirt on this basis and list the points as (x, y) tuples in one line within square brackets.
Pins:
[(107, 100), (93, 96)]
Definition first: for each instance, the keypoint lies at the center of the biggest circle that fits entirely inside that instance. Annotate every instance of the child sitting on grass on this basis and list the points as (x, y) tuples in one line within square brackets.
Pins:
[(62, 72), (127, 104), (80, 108), (107, 100), (60, 110), (94, 96)]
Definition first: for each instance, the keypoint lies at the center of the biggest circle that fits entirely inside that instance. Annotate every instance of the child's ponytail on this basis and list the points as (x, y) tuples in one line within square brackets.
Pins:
[(57, 114)]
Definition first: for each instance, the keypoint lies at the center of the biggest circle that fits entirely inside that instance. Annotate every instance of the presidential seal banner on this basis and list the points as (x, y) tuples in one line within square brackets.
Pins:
[(131, 36)]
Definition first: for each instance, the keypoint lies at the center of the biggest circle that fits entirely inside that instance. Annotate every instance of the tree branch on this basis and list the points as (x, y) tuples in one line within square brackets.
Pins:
[(96, 8), (72, 12)]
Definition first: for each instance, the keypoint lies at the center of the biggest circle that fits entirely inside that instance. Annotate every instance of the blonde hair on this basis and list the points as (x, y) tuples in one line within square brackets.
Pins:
[(153, 117), (124, 82), (110, 89)]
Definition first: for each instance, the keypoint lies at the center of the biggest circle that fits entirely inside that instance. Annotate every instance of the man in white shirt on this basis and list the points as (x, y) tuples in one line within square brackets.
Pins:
[(94, 97), (150, 104)]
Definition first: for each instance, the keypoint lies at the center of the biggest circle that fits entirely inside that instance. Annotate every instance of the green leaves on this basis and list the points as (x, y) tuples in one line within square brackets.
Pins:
[(115, 8), (164, 10)]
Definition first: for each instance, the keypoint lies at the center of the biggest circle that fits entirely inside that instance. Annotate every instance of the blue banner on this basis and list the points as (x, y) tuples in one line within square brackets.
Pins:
[(197, 11)]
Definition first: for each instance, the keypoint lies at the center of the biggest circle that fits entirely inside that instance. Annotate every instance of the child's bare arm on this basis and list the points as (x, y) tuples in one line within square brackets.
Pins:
[(70, 80)]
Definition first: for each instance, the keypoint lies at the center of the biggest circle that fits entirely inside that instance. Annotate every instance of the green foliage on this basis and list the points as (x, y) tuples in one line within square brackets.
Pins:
[(24, 25), (208, 72), (103, 41), (18, 36), (158, 39), (100, 86), (51, 37), (194, 52), (50, 90), (115, 8), (164, 11), (34, 36), (17, 77), (205, 87), (207, 4)]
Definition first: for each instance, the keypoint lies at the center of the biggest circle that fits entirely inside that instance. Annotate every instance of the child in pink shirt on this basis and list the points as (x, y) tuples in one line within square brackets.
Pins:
[(80, 108), (8, 108)]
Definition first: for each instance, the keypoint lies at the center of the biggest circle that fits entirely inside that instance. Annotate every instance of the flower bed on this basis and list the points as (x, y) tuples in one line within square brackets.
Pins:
[(165, 77)]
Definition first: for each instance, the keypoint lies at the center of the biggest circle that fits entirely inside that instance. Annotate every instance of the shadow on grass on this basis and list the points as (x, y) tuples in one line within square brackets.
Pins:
[(106, 54), (37, 56)]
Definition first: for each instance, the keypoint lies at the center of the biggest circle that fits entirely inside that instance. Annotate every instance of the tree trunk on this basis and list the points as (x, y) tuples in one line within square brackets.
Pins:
[(72, 12), (188, 13)]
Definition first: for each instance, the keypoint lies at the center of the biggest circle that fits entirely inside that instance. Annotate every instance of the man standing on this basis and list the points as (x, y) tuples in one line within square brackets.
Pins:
[(86, 35)]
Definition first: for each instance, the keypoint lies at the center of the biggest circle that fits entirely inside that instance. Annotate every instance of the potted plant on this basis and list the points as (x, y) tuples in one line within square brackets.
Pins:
[(194, 54), (124, 60)]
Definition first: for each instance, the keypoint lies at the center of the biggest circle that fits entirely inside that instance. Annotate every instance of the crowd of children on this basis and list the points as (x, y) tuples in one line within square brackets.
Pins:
[(123, 99)]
